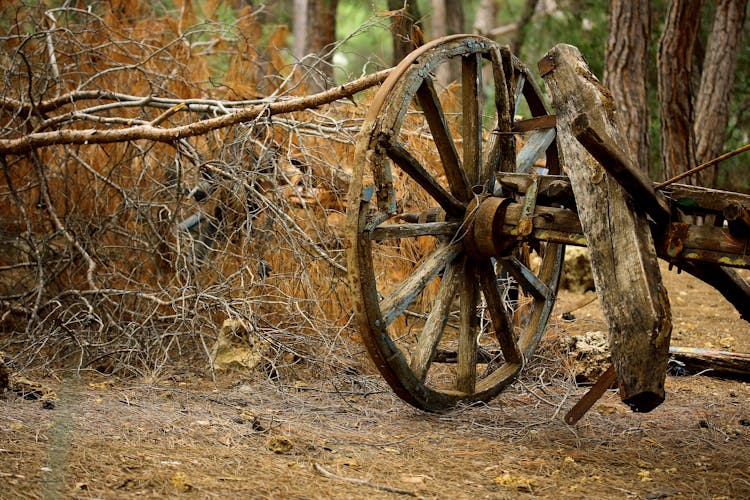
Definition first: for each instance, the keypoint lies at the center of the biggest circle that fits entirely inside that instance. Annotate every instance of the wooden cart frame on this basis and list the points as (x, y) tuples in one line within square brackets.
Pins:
[(470, 312)]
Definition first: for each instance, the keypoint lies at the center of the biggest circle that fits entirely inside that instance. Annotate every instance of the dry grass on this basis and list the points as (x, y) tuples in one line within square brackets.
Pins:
[(259, 439)]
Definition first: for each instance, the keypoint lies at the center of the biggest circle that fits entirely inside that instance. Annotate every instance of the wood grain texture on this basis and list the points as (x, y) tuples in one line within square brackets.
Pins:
[(623, 256)]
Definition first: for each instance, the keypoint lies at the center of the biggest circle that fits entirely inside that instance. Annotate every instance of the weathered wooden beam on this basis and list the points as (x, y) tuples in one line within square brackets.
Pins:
[(596, 391), (551, 188), (535, 123), (623, 255), (687, 242), (535, 147), (735, 365), (637, 184), (703, 200), (690, 199), (725, 364)]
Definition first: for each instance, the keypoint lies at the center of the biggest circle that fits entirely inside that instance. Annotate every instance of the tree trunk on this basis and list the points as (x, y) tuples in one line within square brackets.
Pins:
[(405, 24), (717, 80), (439, 25), (320, 35), (440, 29), (626, 72), (447, 19), (299, 29), (454, 11), (675, 67), (485, 17), (484, 22), (528, 12), (455, 22)]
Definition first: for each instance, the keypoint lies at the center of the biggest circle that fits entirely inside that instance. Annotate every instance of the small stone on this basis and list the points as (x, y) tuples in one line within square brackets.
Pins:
[(577, 276), (279, 445)]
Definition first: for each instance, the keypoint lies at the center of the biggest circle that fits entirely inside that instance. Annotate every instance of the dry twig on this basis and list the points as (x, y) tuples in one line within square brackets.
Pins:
[(383, 487)]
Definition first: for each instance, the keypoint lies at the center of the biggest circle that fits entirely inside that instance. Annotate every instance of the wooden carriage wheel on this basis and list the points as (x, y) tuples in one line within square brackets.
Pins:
[(449, 309)]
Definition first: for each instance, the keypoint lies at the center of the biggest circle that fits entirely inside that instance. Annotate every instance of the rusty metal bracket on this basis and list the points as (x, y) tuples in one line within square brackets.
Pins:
[(526, 223), (604, 382), (674, 238), (546, 64)]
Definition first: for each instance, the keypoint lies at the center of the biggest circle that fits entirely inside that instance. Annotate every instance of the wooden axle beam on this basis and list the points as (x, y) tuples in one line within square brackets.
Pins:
[(497, 228)]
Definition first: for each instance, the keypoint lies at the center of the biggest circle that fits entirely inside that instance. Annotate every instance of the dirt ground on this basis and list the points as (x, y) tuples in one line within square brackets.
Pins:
[(349, 437)]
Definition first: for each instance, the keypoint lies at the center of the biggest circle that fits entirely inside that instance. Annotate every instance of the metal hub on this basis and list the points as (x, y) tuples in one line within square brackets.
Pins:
[(484, 220)]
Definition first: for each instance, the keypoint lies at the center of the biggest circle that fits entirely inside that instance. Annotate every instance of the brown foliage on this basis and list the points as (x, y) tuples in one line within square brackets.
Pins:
[(128, 256)]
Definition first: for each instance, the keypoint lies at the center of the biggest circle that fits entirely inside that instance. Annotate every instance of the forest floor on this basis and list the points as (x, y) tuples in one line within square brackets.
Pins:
[(349, 437)]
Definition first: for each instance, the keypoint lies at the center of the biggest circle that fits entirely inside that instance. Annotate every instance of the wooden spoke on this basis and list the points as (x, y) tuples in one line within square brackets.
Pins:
[(520, 84), (433, 328), (399, 231), (468, 330), (433, 112), (492, 157), (526, 278), (397, 302), (401, 156), (472, 118), (502, 145), (510, 75), (501, 320), (533, 95), (534, 149)]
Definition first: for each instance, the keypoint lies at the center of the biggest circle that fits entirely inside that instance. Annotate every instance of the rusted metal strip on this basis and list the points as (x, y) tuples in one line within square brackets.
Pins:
[(546, 65), (536, 123), (674, 239), (709, 163), (587, 401)]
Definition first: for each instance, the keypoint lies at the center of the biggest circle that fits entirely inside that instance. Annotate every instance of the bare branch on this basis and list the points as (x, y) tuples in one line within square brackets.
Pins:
[(151, 133)]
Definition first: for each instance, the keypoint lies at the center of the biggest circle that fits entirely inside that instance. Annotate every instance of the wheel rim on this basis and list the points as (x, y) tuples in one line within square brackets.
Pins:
[(421, 293)]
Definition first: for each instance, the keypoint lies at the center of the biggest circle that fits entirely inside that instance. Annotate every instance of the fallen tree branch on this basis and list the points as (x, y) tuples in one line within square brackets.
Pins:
[(383, 487), (725, 364), (149, 132)]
